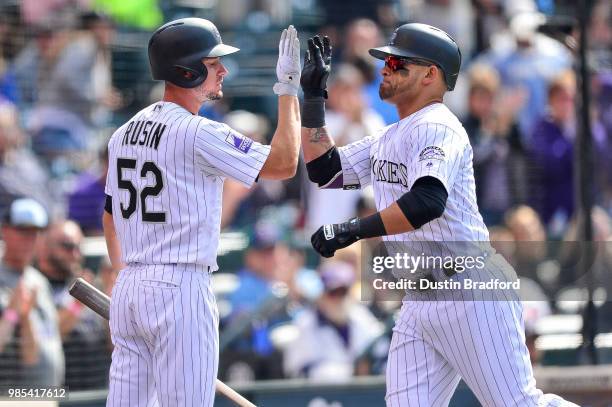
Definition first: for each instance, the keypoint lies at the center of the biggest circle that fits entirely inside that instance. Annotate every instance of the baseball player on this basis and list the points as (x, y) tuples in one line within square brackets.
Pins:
[(162, 215), (421, 172)]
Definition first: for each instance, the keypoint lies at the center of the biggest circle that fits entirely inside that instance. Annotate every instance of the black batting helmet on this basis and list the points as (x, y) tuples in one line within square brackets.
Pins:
[(177, 48), (423, 41)]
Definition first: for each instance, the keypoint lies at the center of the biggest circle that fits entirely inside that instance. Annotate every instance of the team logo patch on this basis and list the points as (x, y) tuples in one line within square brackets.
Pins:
[(328, 232), (239, 143), (350, 187), (432, 153)]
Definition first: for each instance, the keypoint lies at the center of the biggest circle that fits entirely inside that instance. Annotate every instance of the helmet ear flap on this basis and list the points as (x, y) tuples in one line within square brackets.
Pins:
[(186, 74), (190, 76)]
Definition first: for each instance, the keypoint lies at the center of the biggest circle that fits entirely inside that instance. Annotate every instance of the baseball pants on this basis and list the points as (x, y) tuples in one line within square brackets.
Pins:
[(164, 328), (442, 336)]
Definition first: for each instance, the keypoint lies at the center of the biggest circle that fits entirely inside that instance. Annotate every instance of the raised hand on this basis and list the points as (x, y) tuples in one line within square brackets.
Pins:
[(288, 66), (329, 238), (317, 66), (22, 300)]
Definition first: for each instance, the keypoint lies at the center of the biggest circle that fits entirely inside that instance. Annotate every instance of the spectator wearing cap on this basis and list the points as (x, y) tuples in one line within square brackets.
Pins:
[(30, 346), (261, 263), (256, 307), (527, 61), (338, 324)]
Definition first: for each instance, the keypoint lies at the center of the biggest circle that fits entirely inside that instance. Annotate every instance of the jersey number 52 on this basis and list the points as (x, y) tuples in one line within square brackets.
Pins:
[(154, 190)]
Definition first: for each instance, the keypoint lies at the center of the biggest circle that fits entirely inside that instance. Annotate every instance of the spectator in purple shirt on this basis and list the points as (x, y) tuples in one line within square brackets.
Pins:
[(602, 138), (551, 154), (86, 202)]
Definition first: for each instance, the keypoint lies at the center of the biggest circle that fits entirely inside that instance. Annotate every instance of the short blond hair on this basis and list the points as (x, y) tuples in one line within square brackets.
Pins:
[(565, 80), (483, 76)]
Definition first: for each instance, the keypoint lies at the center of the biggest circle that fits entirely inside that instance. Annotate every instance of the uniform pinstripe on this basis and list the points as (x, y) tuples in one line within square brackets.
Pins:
[(442, 336), (166, 174)]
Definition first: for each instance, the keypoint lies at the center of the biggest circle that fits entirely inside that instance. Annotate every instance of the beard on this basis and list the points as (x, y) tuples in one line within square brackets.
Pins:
[(204, 95), (61, 267), (214, 95), (389, 90), (385, 92)]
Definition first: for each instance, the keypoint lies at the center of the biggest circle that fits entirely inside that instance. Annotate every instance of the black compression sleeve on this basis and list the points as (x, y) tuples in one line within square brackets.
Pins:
[(371, 226), (108, 204), (313, 113), (425, 201), (325, 168)]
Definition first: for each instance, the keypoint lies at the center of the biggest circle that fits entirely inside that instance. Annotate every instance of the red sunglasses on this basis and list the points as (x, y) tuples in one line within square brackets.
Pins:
[(396, 63)]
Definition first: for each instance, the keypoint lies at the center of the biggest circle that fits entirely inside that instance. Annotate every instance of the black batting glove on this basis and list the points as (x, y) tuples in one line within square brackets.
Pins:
[(317, 66), (332, 237)]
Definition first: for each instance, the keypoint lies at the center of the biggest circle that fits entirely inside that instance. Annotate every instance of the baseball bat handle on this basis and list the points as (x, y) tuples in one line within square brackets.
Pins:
[(92, 297)]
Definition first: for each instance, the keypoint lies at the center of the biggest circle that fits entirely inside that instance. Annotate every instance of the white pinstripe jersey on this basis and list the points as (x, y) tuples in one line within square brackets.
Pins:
[(166, 173), (429, 142)]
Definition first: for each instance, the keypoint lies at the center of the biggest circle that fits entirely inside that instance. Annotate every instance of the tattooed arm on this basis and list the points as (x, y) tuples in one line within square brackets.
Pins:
[(323, 161), (315, 142), (317, 66)]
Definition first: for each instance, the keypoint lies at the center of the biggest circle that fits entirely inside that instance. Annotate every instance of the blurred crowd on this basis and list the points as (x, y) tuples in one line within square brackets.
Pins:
[(71, 71)]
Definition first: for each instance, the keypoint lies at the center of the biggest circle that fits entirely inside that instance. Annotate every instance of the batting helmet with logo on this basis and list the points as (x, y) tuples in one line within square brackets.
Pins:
[(423, 41), (177, 48)]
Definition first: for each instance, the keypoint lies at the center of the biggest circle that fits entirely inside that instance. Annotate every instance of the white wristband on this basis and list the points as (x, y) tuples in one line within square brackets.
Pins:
[(281, 89)]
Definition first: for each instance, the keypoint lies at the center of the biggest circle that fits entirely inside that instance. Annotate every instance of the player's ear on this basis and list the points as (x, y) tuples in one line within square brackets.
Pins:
[(430, 74)]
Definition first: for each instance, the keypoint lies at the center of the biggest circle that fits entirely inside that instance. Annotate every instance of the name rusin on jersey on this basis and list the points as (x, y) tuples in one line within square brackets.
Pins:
[(144, 133), (388, 171)]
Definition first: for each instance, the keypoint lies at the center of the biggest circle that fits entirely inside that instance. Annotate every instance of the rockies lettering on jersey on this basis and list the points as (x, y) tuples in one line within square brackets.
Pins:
[(430, 142), (387, 171)]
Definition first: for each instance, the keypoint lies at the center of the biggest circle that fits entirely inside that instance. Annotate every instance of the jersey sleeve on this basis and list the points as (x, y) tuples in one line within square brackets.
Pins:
[(439, 155), (112, 170), (107, 189), (226, 152), (355, 160)]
